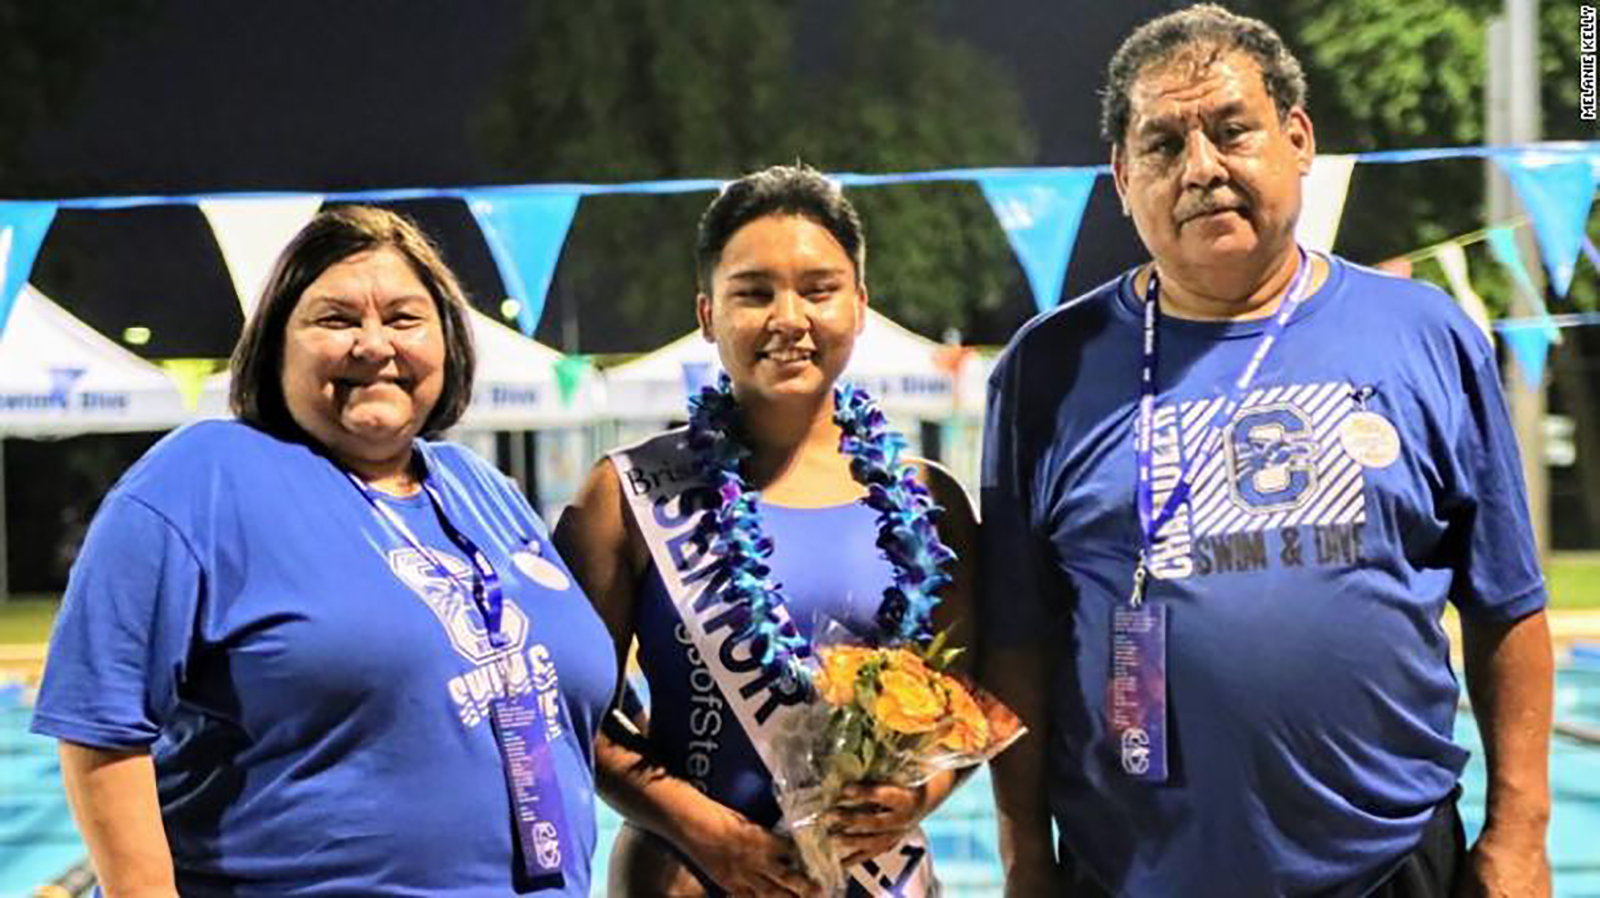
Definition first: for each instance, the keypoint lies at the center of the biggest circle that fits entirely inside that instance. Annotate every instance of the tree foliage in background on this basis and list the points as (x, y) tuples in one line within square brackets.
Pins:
[(622, 90), (905, 97), (1387, 76), (1391, 75)]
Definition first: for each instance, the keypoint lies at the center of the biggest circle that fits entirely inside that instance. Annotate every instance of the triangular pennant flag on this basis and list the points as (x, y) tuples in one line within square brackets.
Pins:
[(525, 232), (1529, 346), (1557, 192), (190, 376), (1453, 259), (1591, 253), (22, 229), (697, 376), (570, 371), (1040, 214), (251, 232), (1503, 246), (1322, 195)]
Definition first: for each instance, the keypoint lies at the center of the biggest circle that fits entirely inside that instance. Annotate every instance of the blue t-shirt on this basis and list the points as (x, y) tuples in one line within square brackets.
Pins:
[(828, 563), (313, 693), (1310, 695)]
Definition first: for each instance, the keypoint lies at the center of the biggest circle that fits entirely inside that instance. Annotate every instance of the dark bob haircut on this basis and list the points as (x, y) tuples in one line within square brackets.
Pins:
[(1204, 27), (779, 190), (336, 234)]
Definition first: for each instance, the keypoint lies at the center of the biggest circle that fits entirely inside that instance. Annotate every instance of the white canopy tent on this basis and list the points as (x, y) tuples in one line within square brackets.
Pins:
[(516, 387), (897, 366), (60, 377)]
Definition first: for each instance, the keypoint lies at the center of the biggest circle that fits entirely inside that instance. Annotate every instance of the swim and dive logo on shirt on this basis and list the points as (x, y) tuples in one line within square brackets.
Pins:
[(1281, 484), (516, 669)]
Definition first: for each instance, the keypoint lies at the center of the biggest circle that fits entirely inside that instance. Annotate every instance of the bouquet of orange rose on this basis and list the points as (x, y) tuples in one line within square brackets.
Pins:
[(889, 713), (894, 715)]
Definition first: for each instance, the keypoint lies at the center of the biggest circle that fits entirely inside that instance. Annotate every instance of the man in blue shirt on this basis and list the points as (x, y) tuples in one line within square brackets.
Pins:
[(1226, 497)]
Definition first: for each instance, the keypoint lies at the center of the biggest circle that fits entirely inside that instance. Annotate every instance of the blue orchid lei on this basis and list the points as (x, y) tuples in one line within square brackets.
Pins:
[(907, 516)]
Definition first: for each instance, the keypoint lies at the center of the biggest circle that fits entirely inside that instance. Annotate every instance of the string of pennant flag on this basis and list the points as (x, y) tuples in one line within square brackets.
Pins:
[(525, 226)]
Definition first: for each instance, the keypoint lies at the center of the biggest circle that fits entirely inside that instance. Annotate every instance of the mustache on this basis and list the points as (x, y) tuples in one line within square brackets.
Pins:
[(1196, 205)]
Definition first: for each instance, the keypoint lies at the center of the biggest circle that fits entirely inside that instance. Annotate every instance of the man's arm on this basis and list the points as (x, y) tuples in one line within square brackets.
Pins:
[(1017, 656), (1019, 676), (1509, 674)]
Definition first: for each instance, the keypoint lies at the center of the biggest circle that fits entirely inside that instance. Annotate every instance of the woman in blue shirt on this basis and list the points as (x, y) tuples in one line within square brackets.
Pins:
[(300, 649)]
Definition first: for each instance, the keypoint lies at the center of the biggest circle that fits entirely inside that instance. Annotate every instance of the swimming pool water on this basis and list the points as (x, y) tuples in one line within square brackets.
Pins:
[(37, 839)]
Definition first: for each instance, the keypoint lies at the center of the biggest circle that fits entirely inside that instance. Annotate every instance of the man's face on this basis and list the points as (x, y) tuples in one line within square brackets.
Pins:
[(1208, 169)]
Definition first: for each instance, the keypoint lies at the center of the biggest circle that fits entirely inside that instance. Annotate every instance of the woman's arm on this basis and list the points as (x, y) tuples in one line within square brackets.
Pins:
[(603, 548), (113, 798), (871, 819)]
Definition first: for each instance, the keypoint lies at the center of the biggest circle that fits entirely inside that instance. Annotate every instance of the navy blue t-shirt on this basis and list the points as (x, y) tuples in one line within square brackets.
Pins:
[(1369, 477), (313, 693)]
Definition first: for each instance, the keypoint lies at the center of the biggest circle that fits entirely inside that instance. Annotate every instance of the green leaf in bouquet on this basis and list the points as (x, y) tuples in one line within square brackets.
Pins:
[(868, 754), (947, 657), (846, 767), (867, 690)]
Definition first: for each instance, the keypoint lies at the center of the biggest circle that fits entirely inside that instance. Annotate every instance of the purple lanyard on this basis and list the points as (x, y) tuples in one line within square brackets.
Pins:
[(484, 588), (1150, 520)]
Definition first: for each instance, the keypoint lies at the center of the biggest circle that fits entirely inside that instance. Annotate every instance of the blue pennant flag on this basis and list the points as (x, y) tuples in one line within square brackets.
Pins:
[(1557, 192), (22, 229), (697, 376), (1040, 213), (525, 232), (1503, 246), (1530, 345)]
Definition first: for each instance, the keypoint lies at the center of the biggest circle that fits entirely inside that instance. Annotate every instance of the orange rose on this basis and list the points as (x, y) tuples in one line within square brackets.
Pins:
[(840, 664), (909, 662), (969, 730), (907, 703)]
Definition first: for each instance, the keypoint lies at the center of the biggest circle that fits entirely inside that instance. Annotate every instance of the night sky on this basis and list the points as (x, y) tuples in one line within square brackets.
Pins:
[(298, 95)]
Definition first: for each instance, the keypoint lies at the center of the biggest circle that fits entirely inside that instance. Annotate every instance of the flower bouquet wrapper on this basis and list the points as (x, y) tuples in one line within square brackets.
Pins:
[(895, 715)]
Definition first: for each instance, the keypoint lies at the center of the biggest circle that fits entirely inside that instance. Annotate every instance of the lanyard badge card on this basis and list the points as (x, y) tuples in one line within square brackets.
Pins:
[(524, 739), (1136, 707), (523, 726), (1138, 702)]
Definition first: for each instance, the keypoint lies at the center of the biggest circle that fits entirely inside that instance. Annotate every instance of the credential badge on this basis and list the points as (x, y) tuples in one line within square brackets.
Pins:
[(1370, 439), (540, 569)]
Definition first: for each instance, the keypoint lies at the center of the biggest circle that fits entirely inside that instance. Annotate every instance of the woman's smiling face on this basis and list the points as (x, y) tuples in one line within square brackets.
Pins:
[(785, 308), (364, 357)]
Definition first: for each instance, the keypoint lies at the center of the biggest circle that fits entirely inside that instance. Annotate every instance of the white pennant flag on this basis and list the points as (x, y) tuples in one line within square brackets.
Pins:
[(1453, 259), (252, 231), (5, 253), (1322, 195)]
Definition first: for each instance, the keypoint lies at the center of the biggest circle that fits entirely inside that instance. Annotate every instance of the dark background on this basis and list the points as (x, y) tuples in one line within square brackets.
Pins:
[(190, 96), (134, 97), (195, 96)]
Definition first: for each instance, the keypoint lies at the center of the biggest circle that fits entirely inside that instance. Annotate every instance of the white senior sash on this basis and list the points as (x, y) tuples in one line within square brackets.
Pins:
[(667, 497)]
